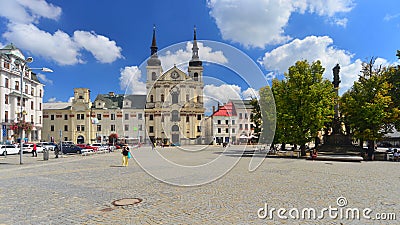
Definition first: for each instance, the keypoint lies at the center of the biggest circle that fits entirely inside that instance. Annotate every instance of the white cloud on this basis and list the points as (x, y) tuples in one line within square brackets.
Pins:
[(70, 99), (52, 100), (257, 23), (23, 31), (28, 11), (43, 78), (214, 94), (389, 17), (130, 80), (169, 59), (340, 22), (102, 48), (314, 48)]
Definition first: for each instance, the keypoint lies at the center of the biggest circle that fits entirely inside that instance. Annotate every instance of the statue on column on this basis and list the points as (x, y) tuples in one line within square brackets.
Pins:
[(336, 126)]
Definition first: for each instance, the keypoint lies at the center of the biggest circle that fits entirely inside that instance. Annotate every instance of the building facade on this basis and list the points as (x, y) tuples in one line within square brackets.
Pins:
[(82, 121), (12, 63), (174, 106)]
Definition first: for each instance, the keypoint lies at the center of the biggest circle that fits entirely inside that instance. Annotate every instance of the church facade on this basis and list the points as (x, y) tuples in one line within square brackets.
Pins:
[(174, 110)]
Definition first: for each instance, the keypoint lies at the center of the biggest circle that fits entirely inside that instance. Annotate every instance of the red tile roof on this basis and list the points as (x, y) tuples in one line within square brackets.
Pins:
[(226, 110)]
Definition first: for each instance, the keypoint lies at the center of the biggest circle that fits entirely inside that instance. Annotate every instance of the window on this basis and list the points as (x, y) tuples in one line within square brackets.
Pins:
[(198, 99), (151, 129), (18, 101), (51, 127), (162, 97), (32, 121), (196, 76), (140, 127), (6, 99), (153, 76), (175, 128), (226, 122), (126, 116), (112, 116), (246, 126), (240, 126), (65, 138), (227, 130), (126, 127), (140, 116), (198, 117), (80, 127), (98, 128), (32, 105), (175, 97), (32, 91), (65, 116), (7, 65), (151, 117), (240, 116), (6, 116), (112, 127), (175, 115), (198, 128), (65, 127), (187, 119), (80, 97), (219, 130), (233, 130), (26, 89), (99, 116), (16, 85), (219, 121), (80, 116), (40, 93), (51, 117), (151, 98), (233, 122), (6, 83), (23, 102), (40, 106), (187, 97), (40, 119), (245, 115)]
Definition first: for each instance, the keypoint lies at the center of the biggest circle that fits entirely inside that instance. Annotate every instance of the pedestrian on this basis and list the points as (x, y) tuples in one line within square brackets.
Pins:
[(56, 151), (34, 152), (125, 153)]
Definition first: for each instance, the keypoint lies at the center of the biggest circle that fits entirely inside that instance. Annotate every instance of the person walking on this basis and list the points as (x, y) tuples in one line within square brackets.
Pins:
[(125, 153), (56, 151), (34, 151)]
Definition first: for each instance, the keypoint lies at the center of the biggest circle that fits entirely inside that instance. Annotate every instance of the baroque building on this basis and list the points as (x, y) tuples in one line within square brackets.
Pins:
[(174, 105)]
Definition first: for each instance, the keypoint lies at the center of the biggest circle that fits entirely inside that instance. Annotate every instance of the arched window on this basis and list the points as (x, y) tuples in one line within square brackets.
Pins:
[(175, 97), (187, 97), (151, 98), (175, 128), (153, 76), (162, 97), (196, 76), (175, 115)]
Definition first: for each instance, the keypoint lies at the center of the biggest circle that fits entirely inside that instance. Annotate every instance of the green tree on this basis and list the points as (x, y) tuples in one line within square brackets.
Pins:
[(304, 103), (368, 107)]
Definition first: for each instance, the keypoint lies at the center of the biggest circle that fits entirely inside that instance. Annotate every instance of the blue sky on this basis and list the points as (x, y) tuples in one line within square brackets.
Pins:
[(101, 44)]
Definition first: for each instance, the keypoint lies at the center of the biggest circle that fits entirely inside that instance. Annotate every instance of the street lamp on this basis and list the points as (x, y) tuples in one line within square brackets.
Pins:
[(22, 72)]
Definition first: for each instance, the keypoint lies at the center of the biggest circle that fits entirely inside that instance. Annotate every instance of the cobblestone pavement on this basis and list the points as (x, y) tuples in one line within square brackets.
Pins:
[(78, 189)]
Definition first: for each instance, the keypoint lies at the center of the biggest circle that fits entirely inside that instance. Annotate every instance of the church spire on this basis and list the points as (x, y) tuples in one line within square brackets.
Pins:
[(195, 61), (154, 47)]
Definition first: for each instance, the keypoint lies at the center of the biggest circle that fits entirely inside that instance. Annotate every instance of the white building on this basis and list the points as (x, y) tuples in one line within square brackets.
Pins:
[(11, 66)]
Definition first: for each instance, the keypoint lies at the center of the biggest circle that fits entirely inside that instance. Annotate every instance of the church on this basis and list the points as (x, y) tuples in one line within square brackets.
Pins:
[(174, 110)]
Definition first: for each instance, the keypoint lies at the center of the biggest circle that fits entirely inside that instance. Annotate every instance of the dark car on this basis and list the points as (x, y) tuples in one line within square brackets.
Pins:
[(67, 149)]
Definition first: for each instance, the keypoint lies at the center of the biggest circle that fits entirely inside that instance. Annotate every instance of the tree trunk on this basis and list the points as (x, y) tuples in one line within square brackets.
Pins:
[(371, 150), (303, 149)]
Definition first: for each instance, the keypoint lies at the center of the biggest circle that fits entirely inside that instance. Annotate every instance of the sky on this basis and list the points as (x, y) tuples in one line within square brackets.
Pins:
[(101, 45)]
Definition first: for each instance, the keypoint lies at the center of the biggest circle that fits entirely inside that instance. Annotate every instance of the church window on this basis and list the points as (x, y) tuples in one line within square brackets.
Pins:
[(151, 98), (196, 76), (175, 128), (175, 115), (187, 97), (175, 96), (162, 98), (153, 76)]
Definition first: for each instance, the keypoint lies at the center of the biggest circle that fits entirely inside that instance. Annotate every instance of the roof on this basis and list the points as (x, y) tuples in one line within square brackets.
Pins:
[(56, 105), (138, 101), (111, 101), (226, 110)]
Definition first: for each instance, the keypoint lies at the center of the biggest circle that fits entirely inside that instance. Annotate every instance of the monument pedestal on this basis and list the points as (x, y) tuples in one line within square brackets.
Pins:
[(339, 144)]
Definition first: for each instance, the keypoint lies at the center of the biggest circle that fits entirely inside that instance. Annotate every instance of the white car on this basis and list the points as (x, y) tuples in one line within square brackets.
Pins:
[(29, 147), (8, 149), (47, 145)]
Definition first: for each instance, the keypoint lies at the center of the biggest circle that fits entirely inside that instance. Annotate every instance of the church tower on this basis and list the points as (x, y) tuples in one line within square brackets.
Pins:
[(195, 69), (153, 68)]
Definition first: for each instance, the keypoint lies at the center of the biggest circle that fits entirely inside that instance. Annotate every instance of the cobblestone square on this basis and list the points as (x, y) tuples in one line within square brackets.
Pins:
[(77, 189)]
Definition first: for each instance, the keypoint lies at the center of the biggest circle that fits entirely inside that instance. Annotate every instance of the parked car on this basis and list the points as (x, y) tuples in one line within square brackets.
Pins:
[(49, 146), (88, 147), (67, 149), (28, 147), (100, 147), (8, 149)]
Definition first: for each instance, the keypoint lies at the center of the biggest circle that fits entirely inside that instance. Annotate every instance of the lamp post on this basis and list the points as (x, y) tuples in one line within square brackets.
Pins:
[(22, 72)]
